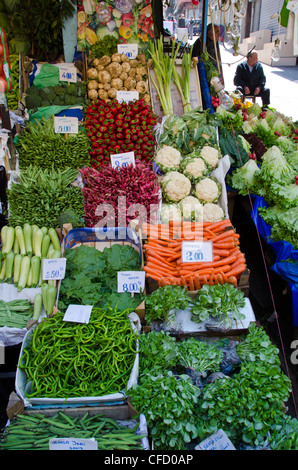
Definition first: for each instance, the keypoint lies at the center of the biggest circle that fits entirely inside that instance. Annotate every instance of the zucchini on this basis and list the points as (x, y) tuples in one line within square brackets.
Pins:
[(24, 272)]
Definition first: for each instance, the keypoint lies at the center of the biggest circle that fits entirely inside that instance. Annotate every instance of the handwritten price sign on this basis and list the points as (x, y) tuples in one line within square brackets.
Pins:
[(131, 281), (53, 269), (193, 252)]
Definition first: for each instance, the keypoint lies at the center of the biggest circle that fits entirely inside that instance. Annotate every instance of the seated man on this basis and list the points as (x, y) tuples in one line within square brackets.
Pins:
[(250, 78)]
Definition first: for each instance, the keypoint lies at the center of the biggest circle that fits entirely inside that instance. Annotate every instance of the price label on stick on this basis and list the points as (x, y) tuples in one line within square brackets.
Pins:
[(131, 281), (67, 73), (194, 252), (120, 160), (78, 313), (53, 269), (127, 96), (130, 50), (66, 125)]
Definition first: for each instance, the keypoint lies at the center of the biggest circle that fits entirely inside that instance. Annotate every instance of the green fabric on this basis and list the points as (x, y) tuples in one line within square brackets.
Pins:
[(46, 112), (47, 76), (284, 15)]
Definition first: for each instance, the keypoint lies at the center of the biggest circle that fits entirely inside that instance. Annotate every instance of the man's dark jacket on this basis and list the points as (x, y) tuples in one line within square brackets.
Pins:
[(253, 79)]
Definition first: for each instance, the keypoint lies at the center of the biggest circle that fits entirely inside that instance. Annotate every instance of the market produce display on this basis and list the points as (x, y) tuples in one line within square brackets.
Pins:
[(65, 359), (109, 74), (39, 145), (33, 432), (115, 196), (115, 127), (163, 254), (46, 198), (91, 277), (70, 196), (63, 94)]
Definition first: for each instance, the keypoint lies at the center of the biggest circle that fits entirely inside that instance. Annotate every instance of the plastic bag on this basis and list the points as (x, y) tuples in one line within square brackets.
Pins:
[(48, 76)]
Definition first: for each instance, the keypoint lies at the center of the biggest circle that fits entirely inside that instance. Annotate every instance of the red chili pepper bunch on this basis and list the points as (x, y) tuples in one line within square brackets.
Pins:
[(115, 127), (114, 197)]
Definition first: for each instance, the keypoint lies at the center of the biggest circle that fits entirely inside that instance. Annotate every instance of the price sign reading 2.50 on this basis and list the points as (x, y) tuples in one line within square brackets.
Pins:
[(53, 269), (196, 252)]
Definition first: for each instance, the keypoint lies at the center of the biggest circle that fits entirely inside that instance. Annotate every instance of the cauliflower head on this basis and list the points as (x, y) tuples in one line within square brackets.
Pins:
[(207, 190), (194, 168), (191, 209), (168, 158), (175, 186), (212, 212), (211, 155), (170, 212)]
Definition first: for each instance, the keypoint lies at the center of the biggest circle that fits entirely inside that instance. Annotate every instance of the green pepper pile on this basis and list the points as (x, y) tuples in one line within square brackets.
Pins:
[(41, 146), (67, 359)]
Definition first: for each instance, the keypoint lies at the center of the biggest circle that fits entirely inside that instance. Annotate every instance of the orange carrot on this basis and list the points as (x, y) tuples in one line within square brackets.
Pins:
[(236, 271)]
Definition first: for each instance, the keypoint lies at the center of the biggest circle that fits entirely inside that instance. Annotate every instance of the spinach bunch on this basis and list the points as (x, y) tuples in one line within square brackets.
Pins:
[(163, 300), (218, 301), (251, 403), (168, 402)]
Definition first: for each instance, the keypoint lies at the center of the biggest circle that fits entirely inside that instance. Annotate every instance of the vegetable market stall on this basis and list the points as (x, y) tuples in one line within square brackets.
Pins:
[(131, 350)]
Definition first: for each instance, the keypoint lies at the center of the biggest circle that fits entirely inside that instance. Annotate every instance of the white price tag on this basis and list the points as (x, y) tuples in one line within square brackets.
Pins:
[(218, 441), (119, 160), (194, 252), (72, 443), (78, 313), (130, 50), (67, 73), (66, 125), (131, 281), (127, 96), (53, 269)]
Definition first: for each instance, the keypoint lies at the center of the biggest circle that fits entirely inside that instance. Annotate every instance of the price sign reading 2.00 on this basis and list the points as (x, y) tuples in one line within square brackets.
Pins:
[(195, 252)]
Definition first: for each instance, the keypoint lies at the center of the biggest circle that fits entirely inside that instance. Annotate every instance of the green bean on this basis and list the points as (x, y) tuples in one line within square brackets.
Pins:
[(40, 429)]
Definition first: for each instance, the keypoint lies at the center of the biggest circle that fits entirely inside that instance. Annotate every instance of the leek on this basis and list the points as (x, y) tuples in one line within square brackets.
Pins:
[(182, 82), (163, 68)]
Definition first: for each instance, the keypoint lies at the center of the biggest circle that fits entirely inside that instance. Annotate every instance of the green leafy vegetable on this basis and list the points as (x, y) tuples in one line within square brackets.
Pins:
[(169, 404), (158, 352), (218, 301), (163, 300), (200, 356), (244, 178), (91, 277)]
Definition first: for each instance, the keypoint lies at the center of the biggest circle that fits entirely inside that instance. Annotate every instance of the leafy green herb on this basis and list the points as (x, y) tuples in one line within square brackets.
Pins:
[(258, 347), (163, 300), (169, 404), (218, 301), (105, 46), (158, 352), (198, 355)]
